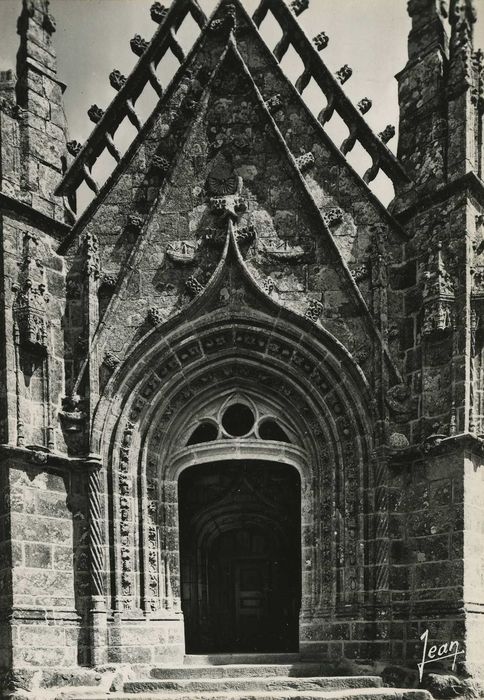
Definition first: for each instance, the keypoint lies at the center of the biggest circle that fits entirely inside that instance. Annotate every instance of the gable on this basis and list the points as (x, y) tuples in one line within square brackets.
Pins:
[(217, 137)]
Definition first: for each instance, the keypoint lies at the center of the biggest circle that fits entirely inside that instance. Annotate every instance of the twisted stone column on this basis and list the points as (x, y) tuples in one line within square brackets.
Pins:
[(96, 563)]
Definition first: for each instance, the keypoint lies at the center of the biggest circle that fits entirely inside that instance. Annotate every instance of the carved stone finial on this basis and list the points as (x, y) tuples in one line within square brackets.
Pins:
[(138, 45), (117, 79), (314, 310), (95, 113), (364, 105), (387, 134), (158, 12), (299, 6), (321, 41), (344, 73), (74, 148)]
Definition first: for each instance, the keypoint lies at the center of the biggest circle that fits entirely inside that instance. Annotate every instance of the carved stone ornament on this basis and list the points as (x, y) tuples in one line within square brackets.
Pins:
[(73, 418), (438, 295), (361, 272), (268, 285), (299, 6), (74, 148), (399, 402), (277, 249), (321, 41), (314, 310), (181, 252), (194, 287), (30, 313), (344, 73), (90, 250), (111, 361), (31, 299), (364, 105), (138, 45), (156, 316), (95, 113), (117, 79), (274, 103), (332, 217), (158, 12), (135, 223), (387, 134), (305, 161), (160, 164), (245, 234)]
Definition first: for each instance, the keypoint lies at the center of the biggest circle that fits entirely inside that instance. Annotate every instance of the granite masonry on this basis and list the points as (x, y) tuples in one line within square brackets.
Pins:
[(237, 392)]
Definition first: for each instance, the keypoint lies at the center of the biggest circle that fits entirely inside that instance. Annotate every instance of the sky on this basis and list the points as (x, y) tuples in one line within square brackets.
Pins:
[(93, 37)]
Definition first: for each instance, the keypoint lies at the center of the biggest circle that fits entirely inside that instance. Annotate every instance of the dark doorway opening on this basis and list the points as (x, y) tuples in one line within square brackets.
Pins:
[(240, 552)]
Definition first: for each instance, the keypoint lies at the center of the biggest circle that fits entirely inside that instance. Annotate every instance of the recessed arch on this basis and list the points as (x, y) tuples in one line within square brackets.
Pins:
[(307, 379)]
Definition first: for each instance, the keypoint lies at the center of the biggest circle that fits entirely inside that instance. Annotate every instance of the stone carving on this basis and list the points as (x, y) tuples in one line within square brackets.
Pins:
[(90, 251), (31, 297), (364, 105), (361, 272), (39, 456), (398, 441), (344, 73), (268, 285), (158, 12), (74, 148), (305, 161), (138, 45), (321, 41), (95, 113), (125, 499), (274, 104), (245, 234), (181, 252), (156, 316), (109, 279), (276, 249), (228, 22), (135, 223), (194, 287), (299, 6), (117, 79), (160, 164), (111, 361), (314, 310), (73, 418), (387, 134), (438, 295), (332, 217), (30, 313), (399, 402)]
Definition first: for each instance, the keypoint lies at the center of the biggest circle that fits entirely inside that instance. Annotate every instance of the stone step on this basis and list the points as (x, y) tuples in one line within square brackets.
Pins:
[(224, 659), (270, 684), (351, 694), (240, 670)]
